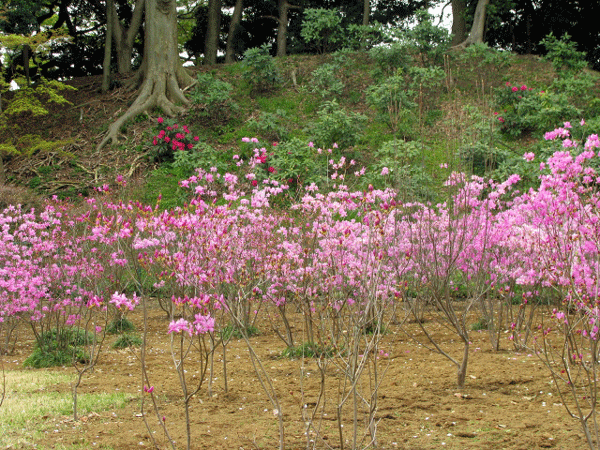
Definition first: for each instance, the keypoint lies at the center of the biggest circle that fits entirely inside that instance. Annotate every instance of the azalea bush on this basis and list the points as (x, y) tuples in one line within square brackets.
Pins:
[(170, 139), (354, 262)]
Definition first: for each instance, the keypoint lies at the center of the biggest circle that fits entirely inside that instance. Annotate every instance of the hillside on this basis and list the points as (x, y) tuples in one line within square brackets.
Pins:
[(410, 113)]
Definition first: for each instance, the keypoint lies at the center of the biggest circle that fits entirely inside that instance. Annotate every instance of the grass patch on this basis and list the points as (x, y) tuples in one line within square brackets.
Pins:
[(308, 350), (374, 328), (230, 331), (59, 348), (127, 340), (29, 408), (120, 325), (480, 324)]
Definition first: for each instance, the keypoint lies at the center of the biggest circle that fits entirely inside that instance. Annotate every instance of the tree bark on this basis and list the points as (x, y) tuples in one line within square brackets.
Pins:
[(211, 44), (476, 34), (282, 28), (107, 46), (161, 71), (125, 37), (366, 11), (459, 26), (235, 23), (284, 7)]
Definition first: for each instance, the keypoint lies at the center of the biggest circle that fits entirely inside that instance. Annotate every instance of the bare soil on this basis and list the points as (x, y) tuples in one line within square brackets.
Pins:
[(508, 402)]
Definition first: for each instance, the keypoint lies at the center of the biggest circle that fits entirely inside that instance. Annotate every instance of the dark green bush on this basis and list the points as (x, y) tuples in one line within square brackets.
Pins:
[(127, 340), (260, 70), (120, 325), (212, 99), (59, 347)]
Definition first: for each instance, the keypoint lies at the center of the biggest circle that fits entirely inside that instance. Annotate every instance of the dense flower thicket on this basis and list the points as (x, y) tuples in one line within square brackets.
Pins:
[(341, 256), (337, 248)]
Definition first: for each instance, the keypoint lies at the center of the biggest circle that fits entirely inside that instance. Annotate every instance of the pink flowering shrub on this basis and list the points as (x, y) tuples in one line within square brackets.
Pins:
[(513, 107), (346, 258)]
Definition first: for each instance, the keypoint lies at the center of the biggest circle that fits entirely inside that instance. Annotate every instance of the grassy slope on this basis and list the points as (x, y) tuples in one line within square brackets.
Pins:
[(440, 125)]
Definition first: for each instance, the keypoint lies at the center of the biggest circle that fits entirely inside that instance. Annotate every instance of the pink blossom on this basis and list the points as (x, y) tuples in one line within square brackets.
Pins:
[(180, 326), (204, 324), (385, 171), (529, 156)]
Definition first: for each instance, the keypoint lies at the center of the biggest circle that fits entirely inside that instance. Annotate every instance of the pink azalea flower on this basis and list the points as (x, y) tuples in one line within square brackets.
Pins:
[(180, 326)]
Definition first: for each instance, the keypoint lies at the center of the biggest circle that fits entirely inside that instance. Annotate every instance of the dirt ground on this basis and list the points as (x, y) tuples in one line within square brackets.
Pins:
[(508, 402)]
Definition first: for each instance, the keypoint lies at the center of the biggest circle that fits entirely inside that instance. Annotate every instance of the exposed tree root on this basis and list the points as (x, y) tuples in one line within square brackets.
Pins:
[(160, 91)]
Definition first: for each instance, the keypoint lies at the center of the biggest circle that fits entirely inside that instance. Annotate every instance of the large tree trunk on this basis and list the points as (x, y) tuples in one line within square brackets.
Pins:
[(233, 27), (125, 37), (476, 34), (284, 7), (161, 71), (366, 11), (459, 25), (107, 46), (211, 44)]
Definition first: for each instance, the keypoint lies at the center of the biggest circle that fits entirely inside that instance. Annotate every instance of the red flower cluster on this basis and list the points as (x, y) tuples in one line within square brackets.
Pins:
[(174, 137)]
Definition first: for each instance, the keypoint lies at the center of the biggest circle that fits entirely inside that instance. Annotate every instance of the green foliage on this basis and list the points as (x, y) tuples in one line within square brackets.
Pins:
[(337, 126), (479, 150), (212, 99), (29, 144), (404, 161), (427, 39), (325, 83), (270, 126), (31, 99), (30, 102), (480, 55), (392, 99), (322, 28), (59, 347), (127, 340), (205, 156), (365, 37), (120, 325), (521, 109), (309, 350), (426, 78), (480, 324), (563, 55), (392, 59), (295, 160), (260, 69), (231, 331), (162, 185)]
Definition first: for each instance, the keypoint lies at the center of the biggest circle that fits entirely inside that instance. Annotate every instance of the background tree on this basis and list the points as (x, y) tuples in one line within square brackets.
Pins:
[(478, 26), (211, 43), (520, 26), (459, 22), (234, 33), (124, 33), (161, 73)]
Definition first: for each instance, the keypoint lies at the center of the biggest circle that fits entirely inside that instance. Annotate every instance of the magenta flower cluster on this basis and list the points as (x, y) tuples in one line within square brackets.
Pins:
[(346, 252), (174, 137)]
